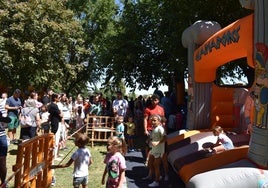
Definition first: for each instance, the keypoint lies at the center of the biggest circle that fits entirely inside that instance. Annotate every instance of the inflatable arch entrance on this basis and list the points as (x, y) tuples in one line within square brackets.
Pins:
[(210, 105), (209, 47)]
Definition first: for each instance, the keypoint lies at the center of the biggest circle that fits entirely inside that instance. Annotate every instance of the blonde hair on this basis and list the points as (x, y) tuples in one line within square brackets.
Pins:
[(157, 116), (218, 129), (119, 143)]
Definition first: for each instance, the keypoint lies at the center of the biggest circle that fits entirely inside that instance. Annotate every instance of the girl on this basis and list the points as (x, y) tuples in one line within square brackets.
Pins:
[(223, 142), (157, 154), (44, 114), (82, 159), (115, 164)]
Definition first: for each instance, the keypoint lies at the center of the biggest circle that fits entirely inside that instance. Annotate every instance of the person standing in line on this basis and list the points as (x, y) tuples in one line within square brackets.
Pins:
[(46, 99), (3, 148), (44, 115), (3, 100), (79, 111), (115, 164), (138, 116), (32, 111), (82, 159), (120, 127), (131, 128), (13, 107), (153, 108), (120, 105), (55, 119), (157, 153)]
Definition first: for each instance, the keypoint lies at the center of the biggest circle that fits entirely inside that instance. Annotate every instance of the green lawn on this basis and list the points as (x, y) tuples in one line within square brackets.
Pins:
[(64, 175)]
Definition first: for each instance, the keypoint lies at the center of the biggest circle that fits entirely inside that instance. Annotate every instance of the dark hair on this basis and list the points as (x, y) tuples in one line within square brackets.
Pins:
[(155, 96), (54, 96), (17, 91)]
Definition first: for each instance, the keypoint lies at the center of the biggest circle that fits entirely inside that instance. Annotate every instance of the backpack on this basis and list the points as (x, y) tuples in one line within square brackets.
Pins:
[(26, 120)]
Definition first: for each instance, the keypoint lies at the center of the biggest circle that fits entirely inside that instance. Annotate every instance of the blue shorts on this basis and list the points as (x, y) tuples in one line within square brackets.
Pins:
[(77, 181), (3, 145), (228, 146)]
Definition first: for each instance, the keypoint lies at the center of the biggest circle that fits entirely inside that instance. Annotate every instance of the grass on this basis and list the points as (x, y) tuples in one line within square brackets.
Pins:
[(64, 175)]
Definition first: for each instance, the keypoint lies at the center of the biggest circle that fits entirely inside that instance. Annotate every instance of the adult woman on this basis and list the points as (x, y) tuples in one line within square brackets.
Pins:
[(32, 111)]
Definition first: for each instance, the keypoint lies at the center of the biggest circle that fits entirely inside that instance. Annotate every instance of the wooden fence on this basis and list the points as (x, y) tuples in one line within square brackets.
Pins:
[(34, 158)]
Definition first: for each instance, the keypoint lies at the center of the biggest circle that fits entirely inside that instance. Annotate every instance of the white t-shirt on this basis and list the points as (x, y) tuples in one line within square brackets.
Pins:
[(81, 159), (120, 106)]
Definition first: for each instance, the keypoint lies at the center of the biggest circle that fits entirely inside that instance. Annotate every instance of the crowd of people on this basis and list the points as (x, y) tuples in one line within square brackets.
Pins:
[(57, 113)]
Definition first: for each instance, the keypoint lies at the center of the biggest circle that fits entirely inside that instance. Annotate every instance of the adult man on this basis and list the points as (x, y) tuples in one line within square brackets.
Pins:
[(46, 99), (13, 107), (120, 105), (152, 109)]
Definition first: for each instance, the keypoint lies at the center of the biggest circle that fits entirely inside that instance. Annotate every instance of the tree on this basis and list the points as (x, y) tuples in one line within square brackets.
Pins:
[(147, 50), (41, 44)]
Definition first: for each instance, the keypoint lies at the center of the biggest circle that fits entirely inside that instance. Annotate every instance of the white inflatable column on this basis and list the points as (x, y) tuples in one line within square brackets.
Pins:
[(199, 94)]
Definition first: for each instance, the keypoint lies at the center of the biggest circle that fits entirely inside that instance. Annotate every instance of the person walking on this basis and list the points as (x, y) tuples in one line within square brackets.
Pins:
[(120, 105), (115, 164)]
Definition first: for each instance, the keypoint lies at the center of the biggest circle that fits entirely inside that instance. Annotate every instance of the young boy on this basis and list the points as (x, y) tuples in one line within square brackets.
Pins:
[(82, 159), (120, 127)]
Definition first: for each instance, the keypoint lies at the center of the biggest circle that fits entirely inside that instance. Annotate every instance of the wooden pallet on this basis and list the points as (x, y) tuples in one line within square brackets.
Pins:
[(99, 128)]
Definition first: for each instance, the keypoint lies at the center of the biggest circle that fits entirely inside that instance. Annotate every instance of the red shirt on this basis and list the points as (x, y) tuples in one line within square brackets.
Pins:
[(159, 110)]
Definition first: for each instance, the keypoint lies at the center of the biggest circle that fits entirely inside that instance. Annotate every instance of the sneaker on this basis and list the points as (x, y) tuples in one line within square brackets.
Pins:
[(166, 178), (154, 184)]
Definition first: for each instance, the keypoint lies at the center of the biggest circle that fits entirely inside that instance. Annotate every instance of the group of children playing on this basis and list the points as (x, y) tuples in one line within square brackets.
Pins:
[(116, 150)]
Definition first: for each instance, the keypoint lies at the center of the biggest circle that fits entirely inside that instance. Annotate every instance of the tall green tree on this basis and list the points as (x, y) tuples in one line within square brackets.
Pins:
[(37, 43), (147, 50)]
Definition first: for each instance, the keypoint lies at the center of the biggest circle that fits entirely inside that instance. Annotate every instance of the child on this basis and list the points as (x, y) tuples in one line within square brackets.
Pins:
[(223, 142), (82, 159), (157, 153), (120, 128), (115, 164), (44, 114), (79, 117), (130, 133)]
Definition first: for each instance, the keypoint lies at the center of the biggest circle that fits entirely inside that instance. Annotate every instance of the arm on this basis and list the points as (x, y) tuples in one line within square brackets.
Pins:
[(145, 124), (7, 107), (121, 178), (38, 121), (155, 143), (103, 176), (63, 165), (90, 161)]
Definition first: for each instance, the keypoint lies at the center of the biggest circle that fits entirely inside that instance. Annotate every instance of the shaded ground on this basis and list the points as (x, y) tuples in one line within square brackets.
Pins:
[(136, 170)]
